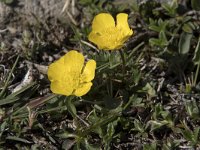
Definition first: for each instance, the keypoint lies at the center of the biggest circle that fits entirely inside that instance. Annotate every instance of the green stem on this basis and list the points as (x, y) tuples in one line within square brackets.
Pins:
[(123, 62), (70, 106), (196, 74), (72, 109)]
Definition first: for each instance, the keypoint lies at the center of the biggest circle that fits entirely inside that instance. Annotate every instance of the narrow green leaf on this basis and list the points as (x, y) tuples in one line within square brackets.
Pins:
[(187, 135), (110, 130), (130, 56), (21, 90), (8, 100), (196, 58), (68, 143), (2, 128), (39, 101), (9, 77), (66, 135), (156, 124), (184, 43), (150, 90), (196, 133), (154, 28), (187, 28), (170, 8), (138, 126), (13, 97), (163, 38), (14, 138), (188, 108)]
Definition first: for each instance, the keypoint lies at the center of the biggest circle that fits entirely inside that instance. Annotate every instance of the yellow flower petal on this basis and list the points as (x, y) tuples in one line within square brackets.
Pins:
[(56, 72), (74, 62), (122, 23), (56, 69), (102, 21), (60, 87), (109, 40), (99, 40), (65, 73), (111, 36), (83, 89), (88, 72), (69, 77)]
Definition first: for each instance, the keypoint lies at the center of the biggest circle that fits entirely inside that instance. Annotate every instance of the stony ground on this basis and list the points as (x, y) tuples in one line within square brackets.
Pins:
[(154, 105)]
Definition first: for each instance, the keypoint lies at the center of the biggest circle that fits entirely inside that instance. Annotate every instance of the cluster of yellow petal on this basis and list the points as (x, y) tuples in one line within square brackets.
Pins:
[(106, 34), (69, 75)]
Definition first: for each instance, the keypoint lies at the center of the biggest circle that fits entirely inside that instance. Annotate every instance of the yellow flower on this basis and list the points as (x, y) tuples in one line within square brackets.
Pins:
[(106, 34), (69, 75)]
